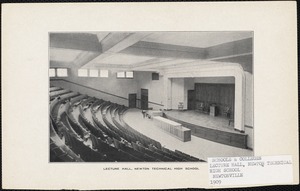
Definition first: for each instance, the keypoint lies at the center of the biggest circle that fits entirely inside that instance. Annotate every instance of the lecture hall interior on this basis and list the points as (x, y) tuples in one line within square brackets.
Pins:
[(150, 96)]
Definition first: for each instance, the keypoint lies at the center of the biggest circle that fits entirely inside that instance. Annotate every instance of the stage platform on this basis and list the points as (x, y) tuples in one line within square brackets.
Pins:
[(214, 128)]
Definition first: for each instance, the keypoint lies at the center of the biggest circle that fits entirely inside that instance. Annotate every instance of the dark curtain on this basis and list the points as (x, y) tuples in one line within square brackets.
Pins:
[(220, 94)]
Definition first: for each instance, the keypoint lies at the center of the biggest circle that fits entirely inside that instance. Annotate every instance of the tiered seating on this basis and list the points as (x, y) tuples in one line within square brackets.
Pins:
[(111, 138)]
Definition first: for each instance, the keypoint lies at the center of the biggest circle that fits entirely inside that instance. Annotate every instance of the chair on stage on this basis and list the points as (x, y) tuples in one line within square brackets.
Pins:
[(180, 106)]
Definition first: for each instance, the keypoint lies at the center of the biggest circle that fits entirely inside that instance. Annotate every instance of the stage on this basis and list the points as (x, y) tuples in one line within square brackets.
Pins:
[(214, 128)]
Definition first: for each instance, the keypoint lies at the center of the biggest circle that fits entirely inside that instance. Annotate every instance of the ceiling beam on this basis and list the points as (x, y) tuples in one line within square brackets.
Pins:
[(116, 42), (113, 39), (165, 51)]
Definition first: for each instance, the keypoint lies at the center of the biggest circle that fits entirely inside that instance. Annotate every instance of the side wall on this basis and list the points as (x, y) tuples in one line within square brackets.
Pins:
[(115, 90), (155, 89)]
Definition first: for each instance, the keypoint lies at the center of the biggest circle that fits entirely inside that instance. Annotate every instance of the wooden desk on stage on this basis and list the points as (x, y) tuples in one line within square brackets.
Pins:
[(174, 128)]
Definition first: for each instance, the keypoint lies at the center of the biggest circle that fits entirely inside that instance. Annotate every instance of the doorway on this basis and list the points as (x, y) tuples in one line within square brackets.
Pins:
[(132, 100), (144, 99)]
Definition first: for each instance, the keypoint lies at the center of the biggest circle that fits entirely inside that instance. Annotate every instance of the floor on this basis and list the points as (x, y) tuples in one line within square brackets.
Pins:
[(202, 119), (197, 147)]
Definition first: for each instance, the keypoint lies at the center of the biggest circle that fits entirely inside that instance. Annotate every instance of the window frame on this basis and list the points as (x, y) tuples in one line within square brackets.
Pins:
[(54, 69), (130, 76), (125, 75), (87, 72), (121, 77), (66, 69)]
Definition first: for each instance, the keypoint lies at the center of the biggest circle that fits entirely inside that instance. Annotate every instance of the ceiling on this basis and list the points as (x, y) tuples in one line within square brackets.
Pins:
[(148, 51), (196, 39)]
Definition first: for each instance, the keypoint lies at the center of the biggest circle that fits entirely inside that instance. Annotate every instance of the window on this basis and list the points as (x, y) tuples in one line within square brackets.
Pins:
[(127, 74), (52, 72), (155, 76), (94, 73), (62, 72), (120, 74), (104, 73), (82, 72)]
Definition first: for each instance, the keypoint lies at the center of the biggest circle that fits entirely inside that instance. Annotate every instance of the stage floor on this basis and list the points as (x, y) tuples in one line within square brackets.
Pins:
[(202, 119)]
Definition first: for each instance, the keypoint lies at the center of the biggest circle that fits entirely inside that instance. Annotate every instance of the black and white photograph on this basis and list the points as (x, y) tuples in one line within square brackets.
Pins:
[(150, 96)]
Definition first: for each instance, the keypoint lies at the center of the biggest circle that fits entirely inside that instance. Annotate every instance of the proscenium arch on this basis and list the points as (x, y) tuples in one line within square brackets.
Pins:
[(211, 69)]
